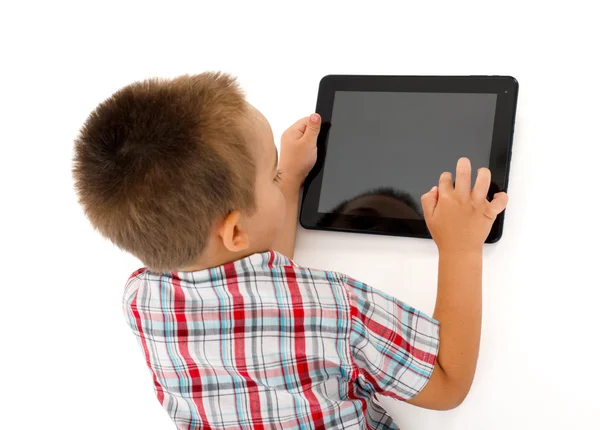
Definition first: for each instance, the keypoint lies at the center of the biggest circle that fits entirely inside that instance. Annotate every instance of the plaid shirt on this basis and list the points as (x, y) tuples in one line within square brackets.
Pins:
[(262, 343)]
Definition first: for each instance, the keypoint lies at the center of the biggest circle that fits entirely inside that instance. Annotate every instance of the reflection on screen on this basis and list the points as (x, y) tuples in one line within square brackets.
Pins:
[(385, 150)]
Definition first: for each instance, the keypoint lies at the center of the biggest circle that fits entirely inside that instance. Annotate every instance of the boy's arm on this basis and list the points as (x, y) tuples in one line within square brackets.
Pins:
[(459, 220), (298, 156), (458, 310), (286, 240)]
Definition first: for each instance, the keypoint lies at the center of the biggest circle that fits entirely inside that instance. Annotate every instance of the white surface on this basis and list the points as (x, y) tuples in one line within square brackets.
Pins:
[(68, 359)]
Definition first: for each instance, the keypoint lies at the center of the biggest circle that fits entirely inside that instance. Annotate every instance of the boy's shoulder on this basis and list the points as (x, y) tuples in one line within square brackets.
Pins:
[(270, 264), (270, 268), (277, 265)]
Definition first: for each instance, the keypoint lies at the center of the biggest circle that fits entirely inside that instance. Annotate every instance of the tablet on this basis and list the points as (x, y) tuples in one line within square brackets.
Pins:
[(385, 140)]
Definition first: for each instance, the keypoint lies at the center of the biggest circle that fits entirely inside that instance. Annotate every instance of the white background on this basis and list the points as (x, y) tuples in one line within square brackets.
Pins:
[(69, 361)]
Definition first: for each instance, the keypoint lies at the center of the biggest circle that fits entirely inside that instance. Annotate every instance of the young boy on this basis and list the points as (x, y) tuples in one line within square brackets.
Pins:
[(184, 174)]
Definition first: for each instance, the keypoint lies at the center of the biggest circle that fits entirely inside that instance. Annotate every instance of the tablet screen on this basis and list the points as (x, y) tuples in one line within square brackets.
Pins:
[(385, 149)]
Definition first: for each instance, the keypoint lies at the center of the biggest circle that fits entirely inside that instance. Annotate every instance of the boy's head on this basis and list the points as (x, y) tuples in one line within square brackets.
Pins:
[(167, 168)]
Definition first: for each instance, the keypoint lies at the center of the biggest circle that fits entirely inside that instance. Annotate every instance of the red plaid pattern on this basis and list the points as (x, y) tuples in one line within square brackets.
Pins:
[(262, 343)]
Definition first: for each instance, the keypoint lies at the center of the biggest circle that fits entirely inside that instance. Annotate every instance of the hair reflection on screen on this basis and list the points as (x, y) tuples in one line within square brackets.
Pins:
[(372, 210)]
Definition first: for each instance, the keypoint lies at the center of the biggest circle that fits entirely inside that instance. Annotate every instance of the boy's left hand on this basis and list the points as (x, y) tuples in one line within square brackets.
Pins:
[(298, 152)]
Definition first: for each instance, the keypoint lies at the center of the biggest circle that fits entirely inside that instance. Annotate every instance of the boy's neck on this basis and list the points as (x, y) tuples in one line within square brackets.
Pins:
[(217, 256)]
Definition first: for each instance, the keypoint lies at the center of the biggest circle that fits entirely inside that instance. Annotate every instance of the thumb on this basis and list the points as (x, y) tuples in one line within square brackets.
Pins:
[(429, 201), (313, 127), (497, 205)]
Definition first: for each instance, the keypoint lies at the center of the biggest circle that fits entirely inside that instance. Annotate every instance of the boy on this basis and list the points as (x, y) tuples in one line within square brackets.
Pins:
[(184, 175)]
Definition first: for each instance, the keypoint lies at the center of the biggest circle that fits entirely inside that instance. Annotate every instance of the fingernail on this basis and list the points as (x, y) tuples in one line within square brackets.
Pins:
[(433, 189), (314, 117)]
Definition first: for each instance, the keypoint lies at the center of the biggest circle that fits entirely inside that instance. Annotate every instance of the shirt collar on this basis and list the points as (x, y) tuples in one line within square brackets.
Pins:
[(264, 261)]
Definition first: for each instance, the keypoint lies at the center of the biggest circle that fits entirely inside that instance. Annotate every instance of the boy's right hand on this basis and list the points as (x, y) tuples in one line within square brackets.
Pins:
[(460, 218), (299, 149)]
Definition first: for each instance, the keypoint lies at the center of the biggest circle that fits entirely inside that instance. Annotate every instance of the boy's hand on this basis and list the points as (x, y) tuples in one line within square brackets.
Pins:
[(460, 219), (299, 149), (297, 156)]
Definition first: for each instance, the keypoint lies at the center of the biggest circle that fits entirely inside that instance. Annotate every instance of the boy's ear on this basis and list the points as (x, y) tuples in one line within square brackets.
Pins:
[(233, 234)]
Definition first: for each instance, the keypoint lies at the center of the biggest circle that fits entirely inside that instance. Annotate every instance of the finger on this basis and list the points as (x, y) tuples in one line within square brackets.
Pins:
[(313, 127), (482, 185), (463, 178), (446, 183), (497, 205), (296, 130), (429, 202)]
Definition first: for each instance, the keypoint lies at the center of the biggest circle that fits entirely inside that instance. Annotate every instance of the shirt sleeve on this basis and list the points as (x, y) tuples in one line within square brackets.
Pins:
[(393, 346)]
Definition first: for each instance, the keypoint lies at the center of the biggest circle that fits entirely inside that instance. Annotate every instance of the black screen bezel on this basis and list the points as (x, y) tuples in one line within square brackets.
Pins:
[(506, 89)]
